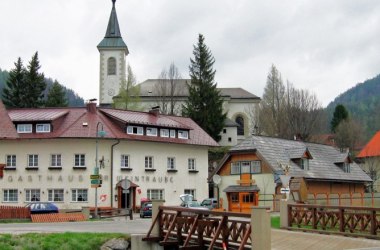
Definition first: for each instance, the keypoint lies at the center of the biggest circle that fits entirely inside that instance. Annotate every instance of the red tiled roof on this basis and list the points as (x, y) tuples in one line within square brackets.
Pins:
[(372, 148), (7, 129), (81, 123)]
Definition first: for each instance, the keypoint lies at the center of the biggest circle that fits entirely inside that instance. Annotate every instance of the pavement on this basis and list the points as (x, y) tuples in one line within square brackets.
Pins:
[(281, 239)]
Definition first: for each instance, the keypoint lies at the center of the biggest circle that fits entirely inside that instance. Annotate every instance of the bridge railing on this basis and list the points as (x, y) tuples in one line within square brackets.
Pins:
[(190, 228), (346, 220)]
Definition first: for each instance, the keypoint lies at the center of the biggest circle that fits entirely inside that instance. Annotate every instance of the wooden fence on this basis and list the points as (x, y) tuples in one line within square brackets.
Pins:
[(13, 212), (199, 229), (349, 221)]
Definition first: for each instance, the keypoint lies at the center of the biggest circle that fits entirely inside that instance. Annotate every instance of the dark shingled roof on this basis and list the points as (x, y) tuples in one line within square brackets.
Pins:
[(323, 165), (239, 188), (148, 89)]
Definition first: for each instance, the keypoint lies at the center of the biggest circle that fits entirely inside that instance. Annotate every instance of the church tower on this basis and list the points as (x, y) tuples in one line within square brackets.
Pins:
[(112, 51)]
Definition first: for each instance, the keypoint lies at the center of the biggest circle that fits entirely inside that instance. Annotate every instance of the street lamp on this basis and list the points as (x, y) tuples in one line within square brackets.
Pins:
[(100, 133)]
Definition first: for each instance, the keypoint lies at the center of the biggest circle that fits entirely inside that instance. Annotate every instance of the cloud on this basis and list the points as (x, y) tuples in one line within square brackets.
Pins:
[(324, 46)]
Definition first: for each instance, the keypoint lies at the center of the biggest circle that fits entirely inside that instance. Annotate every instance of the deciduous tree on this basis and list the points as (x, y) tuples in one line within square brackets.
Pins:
[(129, 93)]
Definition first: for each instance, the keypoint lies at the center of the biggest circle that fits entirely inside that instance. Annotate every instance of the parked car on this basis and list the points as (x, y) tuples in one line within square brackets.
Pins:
[(146, 210), (210, 203), (42, 207), (187, 201)]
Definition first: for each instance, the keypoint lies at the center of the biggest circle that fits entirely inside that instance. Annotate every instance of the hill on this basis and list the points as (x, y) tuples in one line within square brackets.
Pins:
[(74, 99), (363, 104)]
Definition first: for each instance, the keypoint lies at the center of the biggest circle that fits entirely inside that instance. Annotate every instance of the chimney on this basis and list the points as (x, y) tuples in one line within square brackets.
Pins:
[(155, 110), (91, 106)]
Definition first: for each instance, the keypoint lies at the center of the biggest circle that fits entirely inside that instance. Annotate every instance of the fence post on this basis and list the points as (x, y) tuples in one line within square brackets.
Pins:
[(284, 213), (261, 228), (155, 210), (341, 220), (373, 222)]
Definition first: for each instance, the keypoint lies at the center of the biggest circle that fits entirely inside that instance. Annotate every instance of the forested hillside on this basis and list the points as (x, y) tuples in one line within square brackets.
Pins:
[(363, 104), (73, 98)]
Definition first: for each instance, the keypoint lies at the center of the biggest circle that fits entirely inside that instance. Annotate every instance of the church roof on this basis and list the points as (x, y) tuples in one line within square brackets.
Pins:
[(113, 37)]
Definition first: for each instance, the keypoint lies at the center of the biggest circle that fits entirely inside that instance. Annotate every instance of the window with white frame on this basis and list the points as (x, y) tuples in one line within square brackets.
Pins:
[(155, 194), (171, 163), (304, 163), (255, 167), (32, 161), (183, 134), (235, 168), (56, 160), (172, 133), (79, 195), (151, 131), (55, 195), (10, 195), (24, 128), (135, 130), (245, 167), (11, 161), (124, 161), (80, 160), (192, 192), (148, 162), (347, 167), (191, 164), (164, 132), (32, 195), (43, 128)]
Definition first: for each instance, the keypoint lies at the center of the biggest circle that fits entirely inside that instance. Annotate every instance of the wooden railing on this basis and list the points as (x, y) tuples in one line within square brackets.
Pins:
[(350, 221), (14, 212), (198, 229)]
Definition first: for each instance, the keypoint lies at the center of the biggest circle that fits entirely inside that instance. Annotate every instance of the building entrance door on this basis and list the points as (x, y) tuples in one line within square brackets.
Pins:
[(242, 202)]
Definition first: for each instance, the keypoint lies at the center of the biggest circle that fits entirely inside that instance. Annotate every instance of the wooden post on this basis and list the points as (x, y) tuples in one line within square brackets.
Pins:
[(261, 228), (373, 222), (341, 220), (314, 217)]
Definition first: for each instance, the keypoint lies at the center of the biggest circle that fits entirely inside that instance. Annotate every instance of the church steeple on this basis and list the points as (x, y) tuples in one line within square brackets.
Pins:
[(112, 50), (113, 38)]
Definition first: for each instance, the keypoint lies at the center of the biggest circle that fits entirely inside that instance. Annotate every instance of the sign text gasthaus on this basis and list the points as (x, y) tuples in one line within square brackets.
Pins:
[(48, 178)]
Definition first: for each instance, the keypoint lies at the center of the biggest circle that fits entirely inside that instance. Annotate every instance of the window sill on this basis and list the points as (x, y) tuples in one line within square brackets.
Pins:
[(126, 169), (55, 168), (150, 170), (79, 168), (10, 168), (193, 171), (172, 170), (31, 168)]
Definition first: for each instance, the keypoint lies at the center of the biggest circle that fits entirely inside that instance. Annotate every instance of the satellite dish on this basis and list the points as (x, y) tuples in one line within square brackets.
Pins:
[(216, 179)]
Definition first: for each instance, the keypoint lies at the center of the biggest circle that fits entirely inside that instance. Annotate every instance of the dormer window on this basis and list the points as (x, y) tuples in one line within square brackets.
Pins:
[(134, 130), (172, 133), (347, 167), (183, 134), (43, 128), (164, 132), (24, 128), (304, 163), (151, 131)]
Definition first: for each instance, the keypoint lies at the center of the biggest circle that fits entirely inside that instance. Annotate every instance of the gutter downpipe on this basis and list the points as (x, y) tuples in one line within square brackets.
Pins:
[(112, 148)]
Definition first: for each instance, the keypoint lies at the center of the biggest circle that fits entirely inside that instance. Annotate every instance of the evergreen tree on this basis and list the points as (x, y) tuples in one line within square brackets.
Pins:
[(35, 84), (129, 93), (340, 114), (14, 91), (204, 105), (56, 96)]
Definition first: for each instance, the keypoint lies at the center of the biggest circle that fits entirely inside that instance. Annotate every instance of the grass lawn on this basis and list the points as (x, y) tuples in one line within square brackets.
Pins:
[(275, 221), (57, 241)]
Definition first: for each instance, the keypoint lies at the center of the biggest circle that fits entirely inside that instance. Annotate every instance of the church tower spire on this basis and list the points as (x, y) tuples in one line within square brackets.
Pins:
[(113, 51)]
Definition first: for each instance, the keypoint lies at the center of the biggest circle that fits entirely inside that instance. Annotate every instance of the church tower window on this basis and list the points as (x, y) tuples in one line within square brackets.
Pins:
[(111, 66), (240, 121)]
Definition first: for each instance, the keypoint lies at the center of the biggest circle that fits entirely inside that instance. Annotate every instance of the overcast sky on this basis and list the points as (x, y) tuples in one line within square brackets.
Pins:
[(324, 46)]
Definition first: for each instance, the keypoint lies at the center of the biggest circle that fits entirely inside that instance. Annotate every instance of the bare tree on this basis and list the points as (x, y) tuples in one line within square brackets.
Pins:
[(371, 165), (303, 113), (272, 105), (167, 89), (348, 134)]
